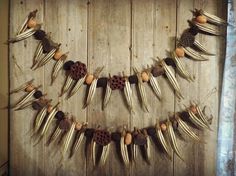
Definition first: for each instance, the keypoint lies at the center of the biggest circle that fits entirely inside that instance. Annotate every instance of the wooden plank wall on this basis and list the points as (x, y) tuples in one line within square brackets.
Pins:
[(117, 34), (4, 11)]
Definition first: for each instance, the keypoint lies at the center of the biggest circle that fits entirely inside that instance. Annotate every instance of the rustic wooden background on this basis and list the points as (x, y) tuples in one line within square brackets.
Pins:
[(118, 34)]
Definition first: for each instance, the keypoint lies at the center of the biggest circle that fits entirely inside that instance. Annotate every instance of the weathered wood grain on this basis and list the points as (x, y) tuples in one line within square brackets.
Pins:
[(108, 45), (187, 145), (71, 31), (24, 156), (152, 36), (201, 154), (116, 34), (209, 78), (4, 88)]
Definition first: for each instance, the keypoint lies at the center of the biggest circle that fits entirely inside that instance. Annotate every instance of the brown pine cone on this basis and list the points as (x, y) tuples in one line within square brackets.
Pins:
[(187, 39), (102, 137), (117, 82), (78, 70)]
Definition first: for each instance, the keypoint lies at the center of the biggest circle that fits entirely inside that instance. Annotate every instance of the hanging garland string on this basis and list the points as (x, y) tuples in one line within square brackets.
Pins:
[(77, 73), (72, 132), (193, 116)]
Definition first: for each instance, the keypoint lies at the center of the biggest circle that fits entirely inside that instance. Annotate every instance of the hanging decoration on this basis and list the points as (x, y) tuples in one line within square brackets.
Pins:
[(70, 131), (77, 73)]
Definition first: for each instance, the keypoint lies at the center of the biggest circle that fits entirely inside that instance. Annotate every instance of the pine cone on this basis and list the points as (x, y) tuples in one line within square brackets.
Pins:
[(102, 137), (78, 70), (117, 82), (194, 30), (187, 39)]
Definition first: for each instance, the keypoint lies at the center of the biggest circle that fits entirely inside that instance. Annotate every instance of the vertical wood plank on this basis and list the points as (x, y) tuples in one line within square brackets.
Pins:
[(164, 41), (4, 77), (149, 27), (152, 36), (187, 145), (209, 78), (143, 15), (24, 157), (201, 154), (68, 27), (108, 45)]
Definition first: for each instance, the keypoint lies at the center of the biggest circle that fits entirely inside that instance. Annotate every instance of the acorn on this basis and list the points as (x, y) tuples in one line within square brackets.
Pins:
[(128, 138), (78, 126), (31, 23), (89, 79), (145, 76), (29, 88), (193, 109), (163, 127), (57, 55), (179, 52), (201, 19), (49, 108)]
